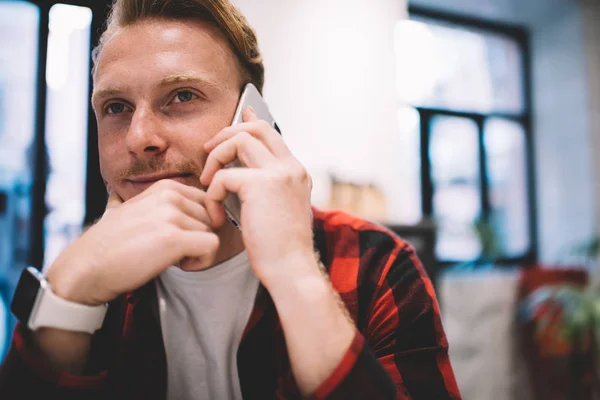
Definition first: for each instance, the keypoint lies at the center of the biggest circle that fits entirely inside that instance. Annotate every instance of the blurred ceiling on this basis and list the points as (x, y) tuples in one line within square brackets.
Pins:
[(522, 12)]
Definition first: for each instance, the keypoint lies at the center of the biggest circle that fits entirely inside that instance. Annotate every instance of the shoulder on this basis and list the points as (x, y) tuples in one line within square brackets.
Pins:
[(339, 231), (356, 252), (370, 266), (339, 234)]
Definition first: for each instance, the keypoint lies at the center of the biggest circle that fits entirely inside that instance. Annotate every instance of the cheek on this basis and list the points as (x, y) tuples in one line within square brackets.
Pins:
[(189, 144), (110, 160), (192, 134), (105, 170)]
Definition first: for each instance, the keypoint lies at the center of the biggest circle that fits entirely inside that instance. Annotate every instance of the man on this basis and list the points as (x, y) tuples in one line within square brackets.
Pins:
[(301, 303)]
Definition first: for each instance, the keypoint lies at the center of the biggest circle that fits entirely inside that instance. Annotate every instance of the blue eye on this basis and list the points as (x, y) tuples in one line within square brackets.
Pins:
[(184, 96), (115, 108)]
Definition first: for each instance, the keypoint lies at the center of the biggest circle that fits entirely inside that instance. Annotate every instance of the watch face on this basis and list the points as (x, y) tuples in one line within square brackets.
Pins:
[(25, 295)]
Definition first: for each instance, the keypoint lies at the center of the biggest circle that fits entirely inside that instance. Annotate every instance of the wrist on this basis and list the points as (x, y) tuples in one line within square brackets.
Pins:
[(70, 285), (317, 327), (299, 269), (302, 283)]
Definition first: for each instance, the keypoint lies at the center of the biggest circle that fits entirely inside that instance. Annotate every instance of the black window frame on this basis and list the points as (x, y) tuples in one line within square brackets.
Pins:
[(521, 36), (39, 157)]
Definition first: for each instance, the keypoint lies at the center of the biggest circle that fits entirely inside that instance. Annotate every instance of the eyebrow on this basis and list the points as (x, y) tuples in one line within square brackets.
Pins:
[(166, 81), (189, 78)]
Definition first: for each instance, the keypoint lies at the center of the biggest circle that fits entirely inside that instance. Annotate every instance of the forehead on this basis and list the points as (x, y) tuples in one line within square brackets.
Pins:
[(147, 51)]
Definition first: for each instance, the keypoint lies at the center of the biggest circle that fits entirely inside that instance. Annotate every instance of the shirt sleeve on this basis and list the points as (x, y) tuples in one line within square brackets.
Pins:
[(25, 374), (402, 352)]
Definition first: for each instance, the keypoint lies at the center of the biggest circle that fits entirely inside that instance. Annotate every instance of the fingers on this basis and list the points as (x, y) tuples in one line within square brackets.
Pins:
[(249, 114), (197, 244), (259, 129), (187, 223), (249, 150), (217, 214), (170, 189), (182, 205), (198, 250), (194, 210), (189, 215), (227, 181), (194, 264)]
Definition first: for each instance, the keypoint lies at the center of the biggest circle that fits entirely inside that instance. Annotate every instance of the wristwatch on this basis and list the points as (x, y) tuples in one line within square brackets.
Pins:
[(36, 306)]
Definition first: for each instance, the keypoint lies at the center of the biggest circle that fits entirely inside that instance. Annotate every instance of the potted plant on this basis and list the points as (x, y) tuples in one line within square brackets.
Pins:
[(560, 329)]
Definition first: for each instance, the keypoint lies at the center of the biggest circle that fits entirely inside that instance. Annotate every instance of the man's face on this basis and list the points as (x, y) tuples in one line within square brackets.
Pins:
[(162, 89)]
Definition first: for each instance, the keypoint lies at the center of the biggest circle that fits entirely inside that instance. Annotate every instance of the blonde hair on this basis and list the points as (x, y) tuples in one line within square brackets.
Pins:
[(220, 13)]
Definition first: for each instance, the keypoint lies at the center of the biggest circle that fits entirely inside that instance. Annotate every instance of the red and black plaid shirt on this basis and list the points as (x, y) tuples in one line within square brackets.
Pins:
[(399, 352)]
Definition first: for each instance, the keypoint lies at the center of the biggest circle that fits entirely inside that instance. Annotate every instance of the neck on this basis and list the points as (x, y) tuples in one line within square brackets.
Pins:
[(231, 243)]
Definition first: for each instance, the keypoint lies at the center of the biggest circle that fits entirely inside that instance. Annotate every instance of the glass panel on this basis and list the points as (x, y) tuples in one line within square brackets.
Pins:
[(454, 157), (448, 66), (416, 61), (407, 208), (67, 77), (4, 328), (19, 30), (507, 175)]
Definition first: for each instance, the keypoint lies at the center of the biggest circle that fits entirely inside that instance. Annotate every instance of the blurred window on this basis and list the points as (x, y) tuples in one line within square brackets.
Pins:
[(468, 82), (67, 100), (456, 183), (43, 135), (409, 152), (474, 69), (506, 160), (19, 36)]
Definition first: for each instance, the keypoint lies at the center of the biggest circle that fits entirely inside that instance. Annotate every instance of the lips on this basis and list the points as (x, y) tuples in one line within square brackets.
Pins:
[(157, 177)]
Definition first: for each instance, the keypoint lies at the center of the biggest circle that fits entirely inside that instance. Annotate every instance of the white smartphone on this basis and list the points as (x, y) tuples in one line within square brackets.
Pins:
[(250, 97)]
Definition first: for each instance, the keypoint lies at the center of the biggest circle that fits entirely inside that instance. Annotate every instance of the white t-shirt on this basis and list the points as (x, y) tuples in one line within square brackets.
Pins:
[(203, 315)]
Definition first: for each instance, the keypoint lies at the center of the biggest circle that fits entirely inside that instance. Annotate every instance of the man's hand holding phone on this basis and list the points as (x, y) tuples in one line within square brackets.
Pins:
[(274, 190), (276, 220)]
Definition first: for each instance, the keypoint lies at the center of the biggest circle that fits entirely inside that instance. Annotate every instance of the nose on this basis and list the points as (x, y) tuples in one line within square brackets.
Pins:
[(145, 137)]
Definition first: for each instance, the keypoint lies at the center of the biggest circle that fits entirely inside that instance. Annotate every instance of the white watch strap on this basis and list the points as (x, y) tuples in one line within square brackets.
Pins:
[(51, 311)]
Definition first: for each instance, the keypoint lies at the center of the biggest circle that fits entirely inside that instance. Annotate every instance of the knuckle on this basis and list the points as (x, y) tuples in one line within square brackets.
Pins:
[(163, 184), (171, 215), (293, 175), (275, 178), (164, 234), (243, 137), (212, 242), (218, 176), (168, 235), (169, 196), (264, 125), (300, 173)]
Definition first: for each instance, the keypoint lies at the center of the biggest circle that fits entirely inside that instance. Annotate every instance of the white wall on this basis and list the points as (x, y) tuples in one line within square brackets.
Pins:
[(564, 153), (591, 29), (330, 83)]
